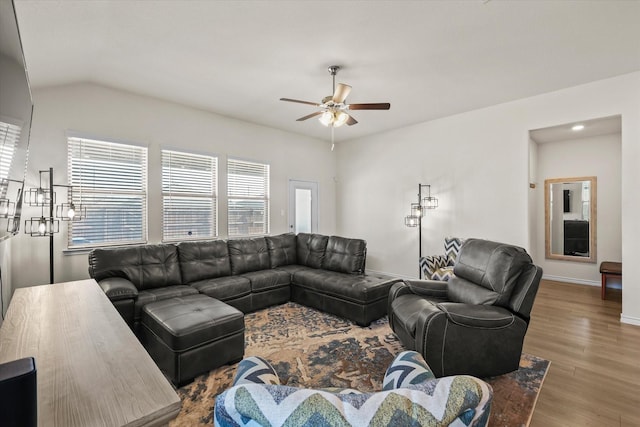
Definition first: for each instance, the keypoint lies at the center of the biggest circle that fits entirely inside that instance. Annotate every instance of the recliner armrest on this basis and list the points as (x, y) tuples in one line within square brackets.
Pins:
[(429, 288), (118, 288), (477, 316)]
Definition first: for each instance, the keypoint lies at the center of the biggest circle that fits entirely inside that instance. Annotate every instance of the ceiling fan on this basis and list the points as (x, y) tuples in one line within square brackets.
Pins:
[(333, 109)]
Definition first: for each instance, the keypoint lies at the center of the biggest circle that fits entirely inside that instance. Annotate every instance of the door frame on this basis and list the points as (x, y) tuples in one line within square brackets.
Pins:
[(315, 202)]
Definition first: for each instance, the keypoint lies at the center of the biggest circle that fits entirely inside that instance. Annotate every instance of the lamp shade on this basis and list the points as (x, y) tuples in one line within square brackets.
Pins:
[(411, 221), (41, 226), (429, 202)]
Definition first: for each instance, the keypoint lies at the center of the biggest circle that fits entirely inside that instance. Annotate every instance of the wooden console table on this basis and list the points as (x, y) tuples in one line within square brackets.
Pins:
[(91, 369)]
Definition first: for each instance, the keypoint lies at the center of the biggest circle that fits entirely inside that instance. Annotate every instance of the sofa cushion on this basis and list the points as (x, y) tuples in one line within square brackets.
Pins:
[(146, 266), (267, 279), (248, 255), (356, 288), (491, 268), (282, 249), (224, 288), (159, 294), (345, 255), (311, 249), (203, 260)]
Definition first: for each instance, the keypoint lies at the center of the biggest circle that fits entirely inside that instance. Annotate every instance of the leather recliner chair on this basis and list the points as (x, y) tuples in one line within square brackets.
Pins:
[(475, 323)]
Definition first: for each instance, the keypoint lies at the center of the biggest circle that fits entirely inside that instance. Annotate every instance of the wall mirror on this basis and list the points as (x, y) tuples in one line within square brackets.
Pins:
[(15, 121), (570, 219)]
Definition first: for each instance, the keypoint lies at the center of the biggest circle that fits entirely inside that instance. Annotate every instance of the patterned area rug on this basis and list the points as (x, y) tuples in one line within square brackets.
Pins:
[(312, 349)]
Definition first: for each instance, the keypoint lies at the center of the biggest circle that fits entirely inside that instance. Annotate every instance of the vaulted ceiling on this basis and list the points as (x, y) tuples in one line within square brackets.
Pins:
[(429, 59)]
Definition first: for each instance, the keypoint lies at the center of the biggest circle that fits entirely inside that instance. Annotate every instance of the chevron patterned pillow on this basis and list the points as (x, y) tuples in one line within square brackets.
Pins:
[(429, 264), (449, 401), (452, 247), (408, 368), (255, 370), (421, 400)]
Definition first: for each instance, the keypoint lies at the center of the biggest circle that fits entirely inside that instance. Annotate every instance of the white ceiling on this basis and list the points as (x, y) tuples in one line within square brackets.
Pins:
[(429, 59)]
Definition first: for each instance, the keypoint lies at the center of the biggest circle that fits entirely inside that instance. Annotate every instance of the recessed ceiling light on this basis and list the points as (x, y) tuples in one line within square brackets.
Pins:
[(577, 127)]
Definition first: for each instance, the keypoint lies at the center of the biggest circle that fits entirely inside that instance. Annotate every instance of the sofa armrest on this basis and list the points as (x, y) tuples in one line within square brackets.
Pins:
[(118, 288), (477, 316)]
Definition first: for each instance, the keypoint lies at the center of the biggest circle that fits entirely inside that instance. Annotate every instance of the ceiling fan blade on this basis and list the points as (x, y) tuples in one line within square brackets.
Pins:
[(308, 116), (351, 121), (375, 106), (341, 93), (300, 102)]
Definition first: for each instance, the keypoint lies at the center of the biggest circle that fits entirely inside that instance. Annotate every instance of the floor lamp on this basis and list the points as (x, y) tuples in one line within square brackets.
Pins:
[(48, 223), (418, 210)]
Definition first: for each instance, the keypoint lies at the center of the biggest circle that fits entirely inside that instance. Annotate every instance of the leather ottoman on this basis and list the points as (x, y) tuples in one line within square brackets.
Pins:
[(191, 335)]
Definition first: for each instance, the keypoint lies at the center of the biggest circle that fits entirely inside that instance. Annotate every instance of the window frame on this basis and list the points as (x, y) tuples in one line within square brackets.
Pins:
[(213, 195), (263, 197), (85, 188)]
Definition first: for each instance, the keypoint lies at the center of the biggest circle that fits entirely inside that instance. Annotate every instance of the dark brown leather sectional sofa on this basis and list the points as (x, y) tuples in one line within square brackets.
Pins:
[(324, 272)]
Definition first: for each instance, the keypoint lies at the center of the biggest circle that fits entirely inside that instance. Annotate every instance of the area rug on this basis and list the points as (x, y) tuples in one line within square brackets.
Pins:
[(309, 348)]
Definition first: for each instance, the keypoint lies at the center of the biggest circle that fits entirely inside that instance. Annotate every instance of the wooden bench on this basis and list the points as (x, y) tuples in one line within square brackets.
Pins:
[(609, 269)]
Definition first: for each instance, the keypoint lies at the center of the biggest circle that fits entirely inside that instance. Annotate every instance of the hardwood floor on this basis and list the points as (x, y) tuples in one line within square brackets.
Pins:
[(594, 378)]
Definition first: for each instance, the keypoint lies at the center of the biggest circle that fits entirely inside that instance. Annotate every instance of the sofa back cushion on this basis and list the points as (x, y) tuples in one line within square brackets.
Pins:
[(345, 255), (248, 255), (203, 260), (487, 272), (282, 249), (311, 249), (146, 266)]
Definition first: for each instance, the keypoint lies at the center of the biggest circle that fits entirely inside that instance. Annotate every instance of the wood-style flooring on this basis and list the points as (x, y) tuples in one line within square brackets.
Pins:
[(594, 378)]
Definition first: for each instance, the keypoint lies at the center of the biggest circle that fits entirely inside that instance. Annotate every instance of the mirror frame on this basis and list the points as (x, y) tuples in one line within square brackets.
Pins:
[(16, 108), (592, 220)]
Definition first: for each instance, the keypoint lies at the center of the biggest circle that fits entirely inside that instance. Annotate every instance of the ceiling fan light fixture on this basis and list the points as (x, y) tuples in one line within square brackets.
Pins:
[(326, 118), (340, 118), (333, 118)]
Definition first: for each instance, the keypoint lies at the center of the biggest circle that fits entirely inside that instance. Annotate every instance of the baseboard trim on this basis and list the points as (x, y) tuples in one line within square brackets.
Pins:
[(629, 320), (571, 280)]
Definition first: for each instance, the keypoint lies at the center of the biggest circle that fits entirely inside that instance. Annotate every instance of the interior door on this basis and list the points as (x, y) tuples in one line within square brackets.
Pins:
[(303, 206)]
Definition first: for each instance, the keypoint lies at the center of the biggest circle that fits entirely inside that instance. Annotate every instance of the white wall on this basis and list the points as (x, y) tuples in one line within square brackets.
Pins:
[(478, 166), (598, 156), (102, 112)]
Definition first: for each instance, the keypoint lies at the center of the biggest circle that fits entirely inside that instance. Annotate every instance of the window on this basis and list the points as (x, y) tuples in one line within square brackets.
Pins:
[(110, 180), (9, 137), (248, 193), (189, 202)]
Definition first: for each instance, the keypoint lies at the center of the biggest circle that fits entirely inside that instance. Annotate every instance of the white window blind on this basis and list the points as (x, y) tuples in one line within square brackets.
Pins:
[(189, 204), (110, 180), (9, 138), (248, 194)]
